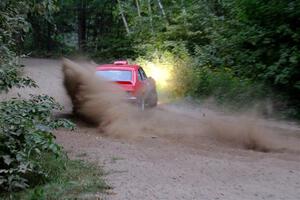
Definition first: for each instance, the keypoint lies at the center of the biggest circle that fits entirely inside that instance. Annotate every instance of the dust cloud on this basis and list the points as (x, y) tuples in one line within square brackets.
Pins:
[(102, 103)]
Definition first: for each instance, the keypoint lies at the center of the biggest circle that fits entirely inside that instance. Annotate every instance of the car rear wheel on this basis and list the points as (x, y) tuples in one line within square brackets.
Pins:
[(152, 99)]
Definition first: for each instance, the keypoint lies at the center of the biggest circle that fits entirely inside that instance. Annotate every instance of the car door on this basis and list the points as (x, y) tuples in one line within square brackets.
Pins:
[(141, 81), (148, 88)]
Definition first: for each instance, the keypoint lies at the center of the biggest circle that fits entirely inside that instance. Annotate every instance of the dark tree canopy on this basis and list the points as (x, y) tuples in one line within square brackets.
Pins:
[(242, 42)]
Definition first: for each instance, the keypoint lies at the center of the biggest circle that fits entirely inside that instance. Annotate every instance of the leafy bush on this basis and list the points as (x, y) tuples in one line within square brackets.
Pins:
[(68, 179), (12, 24), (258, 41), (238, 48), (10, 75), (226, 88), (25, 125), (25, 134), (188, 77)]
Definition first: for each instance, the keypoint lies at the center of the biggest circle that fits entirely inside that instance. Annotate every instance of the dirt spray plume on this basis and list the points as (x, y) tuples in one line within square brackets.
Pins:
[(98, 101), (243, 131), (103, 103), (90, 96)]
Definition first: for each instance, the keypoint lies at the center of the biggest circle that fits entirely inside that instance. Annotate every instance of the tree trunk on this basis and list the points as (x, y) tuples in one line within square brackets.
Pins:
[(138, 7), (81, 24), (150, 16), (162, 11), (161, 8), (123, 17), (183, 12), (48, 37)]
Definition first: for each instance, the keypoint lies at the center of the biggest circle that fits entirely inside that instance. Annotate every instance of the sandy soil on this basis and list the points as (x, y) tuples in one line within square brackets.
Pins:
[(159, 167)]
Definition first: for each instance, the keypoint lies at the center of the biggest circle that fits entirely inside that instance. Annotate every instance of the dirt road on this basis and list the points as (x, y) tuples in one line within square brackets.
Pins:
[(156, 166)]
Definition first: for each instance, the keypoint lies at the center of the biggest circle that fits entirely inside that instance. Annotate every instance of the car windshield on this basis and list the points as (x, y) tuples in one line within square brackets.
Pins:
[(115, 75)]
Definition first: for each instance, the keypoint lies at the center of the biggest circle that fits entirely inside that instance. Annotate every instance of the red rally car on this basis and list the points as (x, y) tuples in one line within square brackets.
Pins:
[(133, 80)]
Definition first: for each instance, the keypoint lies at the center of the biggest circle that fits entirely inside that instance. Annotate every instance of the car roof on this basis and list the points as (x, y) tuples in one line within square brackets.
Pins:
[(118, 65)]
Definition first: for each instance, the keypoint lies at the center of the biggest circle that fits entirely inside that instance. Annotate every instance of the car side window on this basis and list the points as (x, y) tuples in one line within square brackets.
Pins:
[(139, 75), (142, 74)]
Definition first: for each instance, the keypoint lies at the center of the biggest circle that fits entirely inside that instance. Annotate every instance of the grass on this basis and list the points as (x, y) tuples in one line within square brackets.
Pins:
[(81, 155), (114, 159), (68, 179)]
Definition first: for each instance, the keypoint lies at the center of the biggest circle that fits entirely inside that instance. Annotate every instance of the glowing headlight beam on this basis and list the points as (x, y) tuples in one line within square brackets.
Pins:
[(159, 72)]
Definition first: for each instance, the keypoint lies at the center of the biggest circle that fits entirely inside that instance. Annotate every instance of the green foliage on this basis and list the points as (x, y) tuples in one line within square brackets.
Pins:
[(226, 88), (42, 34), (59, 31), (257, 41), (10, 74), (233, 46), (26, 133), (25, 125), (67, 179), (12, 24), (187, 78)]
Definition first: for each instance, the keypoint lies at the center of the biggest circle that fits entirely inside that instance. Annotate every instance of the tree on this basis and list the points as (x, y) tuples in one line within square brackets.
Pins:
[(12, 25), (255, 40), (123, 17), (82, 7), (26, 125)]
